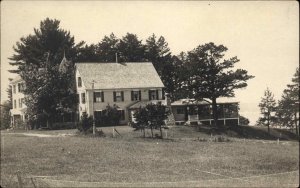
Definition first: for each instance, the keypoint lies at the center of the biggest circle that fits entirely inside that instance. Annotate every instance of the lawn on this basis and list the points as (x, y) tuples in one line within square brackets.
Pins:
[(131, 161)]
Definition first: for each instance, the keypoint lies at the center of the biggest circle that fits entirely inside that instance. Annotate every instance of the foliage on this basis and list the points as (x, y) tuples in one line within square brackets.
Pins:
[(5, 115), (38, 56), (151, 117), (85, 124), (107, 48), (131, 49), (267, 107), (110, 116), (211, 76), (288, 107), (244, 120)]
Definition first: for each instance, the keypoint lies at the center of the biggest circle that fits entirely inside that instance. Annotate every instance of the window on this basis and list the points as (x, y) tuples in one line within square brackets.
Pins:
[(79, 82), (180, 110), (83, 98), (135, 95), (15, 104), (118, 96), (22, 101), (122, 114), (98, 97), (20, 87), (14, 88), (153, 94)]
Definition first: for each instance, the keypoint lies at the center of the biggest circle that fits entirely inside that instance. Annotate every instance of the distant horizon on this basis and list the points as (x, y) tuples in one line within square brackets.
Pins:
[(263, 35)]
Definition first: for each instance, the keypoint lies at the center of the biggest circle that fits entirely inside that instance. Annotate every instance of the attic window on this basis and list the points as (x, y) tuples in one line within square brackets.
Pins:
[(79, 82)]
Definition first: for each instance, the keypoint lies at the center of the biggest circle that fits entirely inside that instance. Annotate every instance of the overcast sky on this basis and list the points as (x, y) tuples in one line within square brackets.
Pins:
[(263, 35)]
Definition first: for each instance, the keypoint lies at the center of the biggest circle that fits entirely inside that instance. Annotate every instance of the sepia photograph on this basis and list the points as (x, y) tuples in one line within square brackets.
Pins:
[(149, 94)]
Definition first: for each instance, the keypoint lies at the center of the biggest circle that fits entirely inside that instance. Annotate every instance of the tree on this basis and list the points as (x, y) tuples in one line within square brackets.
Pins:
[(211, 76), (152, 116), (107, 48), (5, 109), (267, 107), (110, 116), (131, 49), (88, 53), (5, 115), (244, 120), (288, 106), (38, 58)]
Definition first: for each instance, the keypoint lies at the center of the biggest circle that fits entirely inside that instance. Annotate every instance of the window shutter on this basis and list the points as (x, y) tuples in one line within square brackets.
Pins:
[(122, 95), (132, 97), (157, 95), (149, 94), (140, 95), (102, 96), (114, 96), (94, 96)]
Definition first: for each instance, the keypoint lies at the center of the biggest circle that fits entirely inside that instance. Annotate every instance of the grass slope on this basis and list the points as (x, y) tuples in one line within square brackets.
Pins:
[(131, 161)]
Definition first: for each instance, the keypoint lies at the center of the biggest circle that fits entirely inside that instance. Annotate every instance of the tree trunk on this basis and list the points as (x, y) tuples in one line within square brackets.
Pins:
[(151, 131), (268, 122), (161, 133), (215, 111), (296, 124), (144, 132)]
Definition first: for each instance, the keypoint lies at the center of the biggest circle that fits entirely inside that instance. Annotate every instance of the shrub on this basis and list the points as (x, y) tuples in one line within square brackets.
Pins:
[(85, 123)]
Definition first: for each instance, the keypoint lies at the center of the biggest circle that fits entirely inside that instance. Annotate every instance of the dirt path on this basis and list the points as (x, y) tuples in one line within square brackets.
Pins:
[(41, 135)]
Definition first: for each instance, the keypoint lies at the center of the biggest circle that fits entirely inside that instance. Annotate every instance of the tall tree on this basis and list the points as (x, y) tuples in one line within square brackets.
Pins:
[(288, 106), (107, 48), (131, 49), (158, 52), (38, 57), (211, 76), (88, 53), (267, 108)]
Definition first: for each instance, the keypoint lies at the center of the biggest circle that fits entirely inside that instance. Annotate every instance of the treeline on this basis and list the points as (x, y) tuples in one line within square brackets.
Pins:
[(50, 90), (285, 112)]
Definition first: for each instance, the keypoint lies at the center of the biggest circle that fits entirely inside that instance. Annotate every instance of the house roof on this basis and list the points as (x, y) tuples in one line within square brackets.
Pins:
[(119, 75), (220, 100), (16, 79)]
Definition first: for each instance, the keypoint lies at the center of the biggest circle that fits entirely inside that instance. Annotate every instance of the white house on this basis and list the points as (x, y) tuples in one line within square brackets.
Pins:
[(18, 106), (124, 84)]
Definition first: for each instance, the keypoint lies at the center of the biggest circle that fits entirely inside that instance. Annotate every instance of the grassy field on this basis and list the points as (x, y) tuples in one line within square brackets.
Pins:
[(186, 158)]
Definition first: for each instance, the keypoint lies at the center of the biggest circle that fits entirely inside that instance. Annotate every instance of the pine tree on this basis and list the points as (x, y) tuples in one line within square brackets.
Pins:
[(107, 48), (131, 49), (288, 105), (267, 108), (38, 57), (211, 76)]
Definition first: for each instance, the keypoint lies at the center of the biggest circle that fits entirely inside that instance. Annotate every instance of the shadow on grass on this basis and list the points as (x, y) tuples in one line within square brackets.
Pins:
[(250, 132)]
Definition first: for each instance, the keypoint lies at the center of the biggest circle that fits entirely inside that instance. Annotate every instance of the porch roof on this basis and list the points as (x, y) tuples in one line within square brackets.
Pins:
[(144, 103), (221, 100)]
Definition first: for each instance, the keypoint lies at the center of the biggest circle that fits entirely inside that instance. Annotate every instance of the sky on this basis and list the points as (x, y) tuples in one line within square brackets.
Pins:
[(263, 35)]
